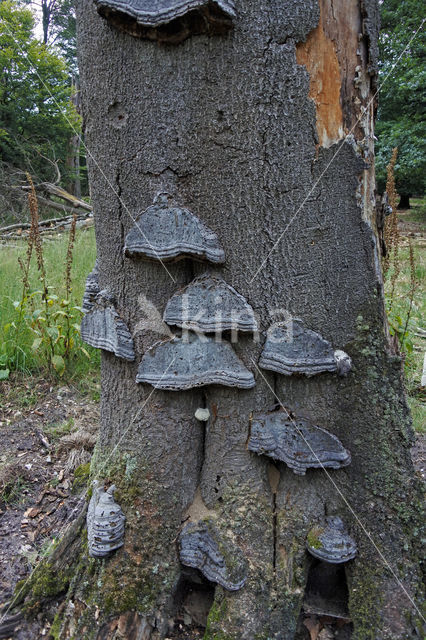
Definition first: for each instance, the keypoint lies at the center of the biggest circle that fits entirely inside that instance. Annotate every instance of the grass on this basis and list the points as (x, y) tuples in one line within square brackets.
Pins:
[(11, 290), (417, 213), (414, 348), (57, 431)]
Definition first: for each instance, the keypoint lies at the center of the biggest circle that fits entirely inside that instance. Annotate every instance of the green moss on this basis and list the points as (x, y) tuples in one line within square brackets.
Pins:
[(46, 581), (55, 629), (365, 605), (81, 477), (216, 615), (313, 538)]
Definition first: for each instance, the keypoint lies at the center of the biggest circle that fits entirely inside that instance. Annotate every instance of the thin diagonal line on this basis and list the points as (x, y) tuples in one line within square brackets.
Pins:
[(89, 153), (2, 618), (365, 109), (367, 533)]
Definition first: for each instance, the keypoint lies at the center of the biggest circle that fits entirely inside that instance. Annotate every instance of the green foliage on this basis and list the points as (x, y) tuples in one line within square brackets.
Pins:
[(26, 336), (64, 32), (401, 121), (408, 333), (37, 118), (12, 491)]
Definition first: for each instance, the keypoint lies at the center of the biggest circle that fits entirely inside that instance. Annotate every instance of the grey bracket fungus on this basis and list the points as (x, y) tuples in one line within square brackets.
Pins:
[(299, 444), (201, 547), (166, 232), (105, 522), (170, 21), (290, 349), (210, 305), (103, 328), (331, 542), (92, 289), (193, 361)]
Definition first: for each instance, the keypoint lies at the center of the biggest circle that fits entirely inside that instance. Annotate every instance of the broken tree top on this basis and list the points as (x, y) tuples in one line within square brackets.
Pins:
[(290, 349), (298, 443), (193, 361), (201, 547), (331, 542), (102, 328), (209, 304), (167, 232)]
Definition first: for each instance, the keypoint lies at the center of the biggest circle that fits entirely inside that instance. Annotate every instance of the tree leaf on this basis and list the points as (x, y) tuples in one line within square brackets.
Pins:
[(53, 332), (4, 374), (58, 364), (36, 344)]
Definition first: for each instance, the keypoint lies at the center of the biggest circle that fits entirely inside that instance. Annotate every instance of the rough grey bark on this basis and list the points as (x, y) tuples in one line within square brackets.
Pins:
[(229, 125)]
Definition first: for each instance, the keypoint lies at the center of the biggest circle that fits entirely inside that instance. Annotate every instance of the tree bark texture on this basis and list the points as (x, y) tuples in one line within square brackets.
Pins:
[(266, 134)]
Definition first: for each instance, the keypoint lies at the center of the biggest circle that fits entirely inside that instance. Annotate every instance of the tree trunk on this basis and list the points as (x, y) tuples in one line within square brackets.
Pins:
[(404, 201), (265, 133)]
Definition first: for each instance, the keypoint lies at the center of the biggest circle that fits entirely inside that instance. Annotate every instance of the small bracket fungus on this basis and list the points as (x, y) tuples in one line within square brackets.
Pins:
[(92, 289), (202, 414), (201, 547), (193, 361), (299, 444), (170, 21), (331, 543), (290, 349), (209, 304), (105, 522), (102, 328), (166, 232)]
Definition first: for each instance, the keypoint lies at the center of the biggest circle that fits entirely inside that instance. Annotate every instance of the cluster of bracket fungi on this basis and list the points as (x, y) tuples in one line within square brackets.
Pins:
[(209, 305)]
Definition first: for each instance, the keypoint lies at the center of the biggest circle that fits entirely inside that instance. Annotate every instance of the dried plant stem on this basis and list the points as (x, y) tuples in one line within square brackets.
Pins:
[(38, 245), (68, 285), (391, 232)]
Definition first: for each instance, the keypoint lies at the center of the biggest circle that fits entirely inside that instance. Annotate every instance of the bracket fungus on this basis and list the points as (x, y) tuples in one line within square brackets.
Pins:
[(105, 522), (299, 444), (201, 547), (209, 304), (103, 328), (167, 232), (92, 289), (290, 348), (193, 361), (169, 21), (331, 542)]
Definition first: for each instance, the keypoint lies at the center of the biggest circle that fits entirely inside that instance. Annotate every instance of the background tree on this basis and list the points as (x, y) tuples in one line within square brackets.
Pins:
[(401, 116), (37, 117)]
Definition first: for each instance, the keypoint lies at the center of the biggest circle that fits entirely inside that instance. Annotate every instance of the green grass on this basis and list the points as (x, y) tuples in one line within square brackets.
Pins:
[(415, 344), (11, 291), (417, 213), (57, 431)]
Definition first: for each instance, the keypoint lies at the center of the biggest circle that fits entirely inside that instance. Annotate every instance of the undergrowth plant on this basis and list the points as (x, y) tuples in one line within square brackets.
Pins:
[(45, 319), (399, 323)]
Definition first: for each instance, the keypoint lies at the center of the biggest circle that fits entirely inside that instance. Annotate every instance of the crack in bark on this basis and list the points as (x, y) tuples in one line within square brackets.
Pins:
[(120, 210)]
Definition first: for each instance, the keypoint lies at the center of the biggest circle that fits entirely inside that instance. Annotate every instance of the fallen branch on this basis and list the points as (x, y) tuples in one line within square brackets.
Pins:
[(42, 223), (54, 190)]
